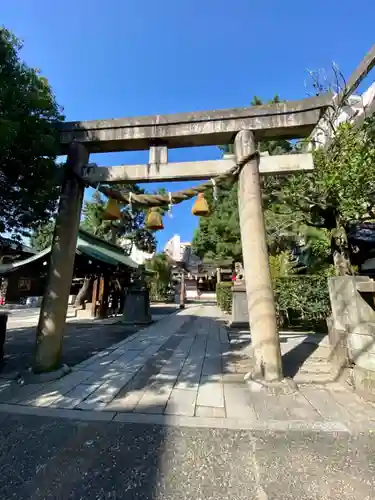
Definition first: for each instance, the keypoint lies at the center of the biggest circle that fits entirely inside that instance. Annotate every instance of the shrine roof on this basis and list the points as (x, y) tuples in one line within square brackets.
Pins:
[(87, 244)]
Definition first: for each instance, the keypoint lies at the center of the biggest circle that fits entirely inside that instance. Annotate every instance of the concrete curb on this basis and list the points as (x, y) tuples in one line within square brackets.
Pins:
[(181, 421)]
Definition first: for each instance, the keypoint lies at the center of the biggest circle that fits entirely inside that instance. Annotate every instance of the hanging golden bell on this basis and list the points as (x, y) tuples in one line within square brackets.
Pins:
[(154, 220), (112, 210), (200, 207)]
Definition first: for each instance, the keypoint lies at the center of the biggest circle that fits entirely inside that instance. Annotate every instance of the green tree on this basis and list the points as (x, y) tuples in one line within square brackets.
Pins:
[(316, 250), (218, 236), (28, 143), (340, 190), (41, 238), (282, 265), (132, 224), (160, 281), (92, 221), (161, 266), (311, 210)]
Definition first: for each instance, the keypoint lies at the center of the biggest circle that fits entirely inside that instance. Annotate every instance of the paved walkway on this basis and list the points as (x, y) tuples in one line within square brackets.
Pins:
[(83, 338), (184, 371)]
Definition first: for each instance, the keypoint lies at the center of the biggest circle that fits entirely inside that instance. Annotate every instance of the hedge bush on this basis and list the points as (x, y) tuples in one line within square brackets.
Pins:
[(224, 295), (301, 300)]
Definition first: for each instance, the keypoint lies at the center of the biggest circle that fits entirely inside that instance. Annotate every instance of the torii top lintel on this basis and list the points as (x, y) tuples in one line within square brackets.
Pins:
[(291, 119)]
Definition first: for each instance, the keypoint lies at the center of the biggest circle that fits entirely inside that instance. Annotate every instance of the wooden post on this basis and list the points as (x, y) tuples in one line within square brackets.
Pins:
[(182, 291), (94, 299), (103, 296), (56, 295), (260, 297)]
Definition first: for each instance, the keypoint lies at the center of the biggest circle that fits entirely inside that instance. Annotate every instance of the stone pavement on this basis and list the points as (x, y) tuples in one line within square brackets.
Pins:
[(184, 371), (82, 337)]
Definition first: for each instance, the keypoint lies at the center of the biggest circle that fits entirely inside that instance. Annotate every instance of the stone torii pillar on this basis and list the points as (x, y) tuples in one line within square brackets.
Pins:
[(260, 297), (56, 295)]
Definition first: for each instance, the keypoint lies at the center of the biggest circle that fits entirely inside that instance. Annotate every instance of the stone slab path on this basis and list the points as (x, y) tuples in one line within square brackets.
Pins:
[(82, 339), (184, 370)]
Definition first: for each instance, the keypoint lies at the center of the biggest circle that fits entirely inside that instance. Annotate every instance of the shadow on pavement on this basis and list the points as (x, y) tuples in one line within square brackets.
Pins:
[(184, 367), (82, 339), (295, 358), (73, 460)]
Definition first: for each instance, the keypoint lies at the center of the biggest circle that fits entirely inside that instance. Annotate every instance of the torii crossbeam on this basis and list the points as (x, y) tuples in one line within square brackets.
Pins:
[(289, 120)]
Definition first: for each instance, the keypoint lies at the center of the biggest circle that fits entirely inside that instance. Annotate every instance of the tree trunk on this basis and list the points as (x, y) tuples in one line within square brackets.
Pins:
[(81, 296), (340, 250)]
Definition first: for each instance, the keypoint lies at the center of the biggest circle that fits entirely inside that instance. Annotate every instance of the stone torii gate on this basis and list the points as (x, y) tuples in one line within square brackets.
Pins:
[(244, 127)]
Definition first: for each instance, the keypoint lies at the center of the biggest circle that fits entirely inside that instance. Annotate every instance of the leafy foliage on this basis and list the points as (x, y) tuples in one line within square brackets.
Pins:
[(218, 236), (340, 190), (93, 222), (302, 300), (344, 179), (160, 281), (131, 226), (316, 251), (309, 211), (282, 264), (284, 223), (28, 142), (224, 296), (41, 238)]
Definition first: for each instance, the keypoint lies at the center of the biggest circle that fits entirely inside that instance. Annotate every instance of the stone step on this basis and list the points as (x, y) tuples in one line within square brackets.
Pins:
[(313, 378), (315, 368), (317, 359)]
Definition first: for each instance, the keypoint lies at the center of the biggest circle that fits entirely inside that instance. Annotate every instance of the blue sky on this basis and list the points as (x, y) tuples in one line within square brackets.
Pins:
[(120, 58)]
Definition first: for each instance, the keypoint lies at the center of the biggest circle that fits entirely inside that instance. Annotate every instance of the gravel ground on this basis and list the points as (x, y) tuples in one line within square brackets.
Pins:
[(46, 458)]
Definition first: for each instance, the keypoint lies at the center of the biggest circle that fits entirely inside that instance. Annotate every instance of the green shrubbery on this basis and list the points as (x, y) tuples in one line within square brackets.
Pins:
[(159, 292), (301, 300), (224, 295)]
